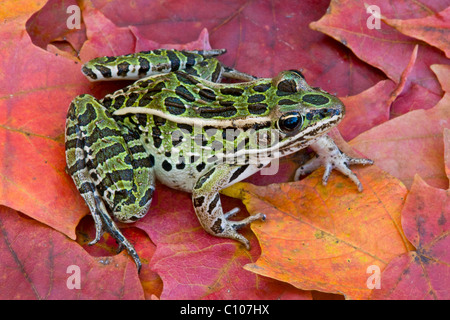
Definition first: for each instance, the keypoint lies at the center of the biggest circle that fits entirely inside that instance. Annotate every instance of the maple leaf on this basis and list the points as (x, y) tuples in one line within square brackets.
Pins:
[(37, 262), (403, 152), (35, 94), (56, 36), (325, 237), (253, 31), (386, 48), (423, 273), (194, 265), (432, 29)]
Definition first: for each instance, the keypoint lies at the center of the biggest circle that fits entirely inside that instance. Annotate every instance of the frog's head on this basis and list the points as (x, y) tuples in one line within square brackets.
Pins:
[(304, 112)]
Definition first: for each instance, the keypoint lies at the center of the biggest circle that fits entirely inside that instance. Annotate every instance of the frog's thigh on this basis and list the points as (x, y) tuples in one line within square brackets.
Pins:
[(115, 162), (207, 205)]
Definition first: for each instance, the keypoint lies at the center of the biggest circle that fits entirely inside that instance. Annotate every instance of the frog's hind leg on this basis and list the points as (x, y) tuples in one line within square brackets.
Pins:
[(110, 168)]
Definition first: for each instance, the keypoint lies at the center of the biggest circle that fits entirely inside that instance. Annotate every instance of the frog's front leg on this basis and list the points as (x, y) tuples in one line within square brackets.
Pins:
[(110, 168), (207, 205), (329, 156)]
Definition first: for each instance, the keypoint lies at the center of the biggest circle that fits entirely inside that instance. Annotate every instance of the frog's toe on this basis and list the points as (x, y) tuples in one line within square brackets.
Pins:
[(94, 241), (307, 168), (106, 223), (239, 237), (330, 157), (342, 164), (236, 225), (125, 244), (231, 213), (239, 224), (225, 228)]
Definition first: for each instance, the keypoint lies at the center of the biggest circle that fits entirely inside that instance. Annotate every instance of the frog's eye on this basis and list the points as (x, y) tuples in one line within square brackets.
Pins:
[(290, 122)]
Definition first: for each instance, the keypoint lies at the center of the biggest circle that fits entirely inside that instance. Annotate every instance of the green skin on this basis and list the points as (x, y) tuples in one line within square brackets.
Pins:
[(179, 125)]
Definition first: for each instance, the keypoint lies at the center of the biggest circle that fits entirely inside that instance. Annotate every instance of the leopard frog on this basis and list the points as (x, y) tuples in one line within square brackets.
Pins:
[(177, 123)]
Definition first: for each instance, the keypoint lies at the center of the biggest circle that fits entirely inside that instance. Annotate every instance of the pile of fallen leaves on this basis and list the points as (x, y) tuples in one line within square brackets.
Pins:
[(389, 242)]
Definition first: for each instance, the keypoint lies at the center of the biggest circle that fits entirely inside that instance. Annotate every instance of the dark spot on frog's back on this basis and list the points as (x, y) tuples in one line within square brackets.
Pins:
[(184, 94), (174, 106), (286, 102), (263, 87), (142, 119), (145, 83), (122, 175), (236, 92), (207, 95), (315, 99), (257, 108), (107, 153), (211, 112), (109, 59), (106, 102), (156, 88), (226, 103), (256, 98), (186, 78), (146, 99), (71, 112)]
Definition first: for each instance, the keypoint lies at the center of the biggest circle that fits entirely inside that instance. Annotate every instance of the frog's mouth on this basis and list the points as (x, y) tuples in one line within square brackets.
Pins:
[(304, 138)]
